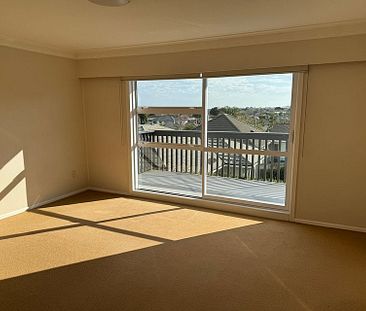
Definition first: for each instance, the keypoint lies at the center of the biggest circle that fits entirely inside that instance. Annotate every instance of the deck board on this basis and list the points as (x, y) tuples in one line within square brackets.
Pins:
[(188, 184)]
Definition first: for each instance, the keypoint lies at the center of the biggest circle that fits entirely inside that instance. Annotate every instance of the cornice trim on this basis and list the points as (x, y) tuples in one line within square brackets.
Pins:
[(36, 48), (330, 30), (317, 31)]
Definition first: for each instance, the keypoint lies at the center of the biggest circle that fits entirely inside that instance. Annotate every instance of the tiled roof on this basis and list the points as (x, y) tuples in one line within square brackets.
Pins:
[(228, 123), (280, 128)]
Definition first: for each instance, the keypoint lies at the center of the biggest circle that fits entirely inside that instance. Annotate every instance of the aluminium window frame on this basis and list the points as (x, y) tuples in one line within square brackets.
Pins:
[(299, 77)]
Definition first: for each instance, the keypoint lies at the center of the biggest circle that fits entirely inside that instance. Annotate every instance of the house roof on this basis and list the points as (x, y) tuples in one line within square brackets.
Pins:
[(280, 128), (228, 123), (152, 127)]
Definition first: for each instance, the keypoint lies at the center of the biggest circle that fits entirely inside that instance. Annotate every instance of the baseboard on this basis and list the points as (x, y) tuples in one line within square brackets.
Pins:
[(296, 220), (69, 194), (108, 191), (13, 213), (220, 206), (39, 204), (60, 197), (329, 225)]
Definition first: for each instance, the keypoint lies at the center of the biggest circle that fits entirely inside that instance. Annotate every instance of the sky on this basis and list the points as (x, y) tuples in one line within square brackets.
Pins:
[(241, 91)]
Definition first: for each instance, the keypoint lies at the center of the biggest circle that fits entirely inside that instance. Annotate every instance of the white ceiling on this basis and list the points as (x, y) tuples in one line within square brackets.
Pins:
[(73, 26)]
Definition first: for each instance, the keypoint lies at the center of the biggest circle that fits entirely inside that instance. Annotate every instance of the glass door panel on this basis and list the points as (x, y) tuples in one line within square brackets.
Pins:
[(169, 136), (248, 122), (240, 124), (169, 170)]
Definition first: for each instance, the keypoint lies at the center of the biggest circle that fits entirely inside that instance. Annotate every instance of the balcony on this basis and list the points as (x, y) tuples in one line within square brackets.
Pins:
[(238, 165)]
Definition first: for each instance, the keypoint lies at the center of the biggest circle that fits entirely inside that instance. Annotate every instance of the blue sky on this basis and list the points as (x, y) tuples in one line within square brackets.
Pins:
[(243, 91)]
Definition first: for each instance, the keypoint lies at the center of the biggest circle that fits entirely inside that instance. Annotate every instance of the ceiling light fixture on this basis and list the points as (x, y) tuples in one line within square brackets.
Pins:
[(110, 2)]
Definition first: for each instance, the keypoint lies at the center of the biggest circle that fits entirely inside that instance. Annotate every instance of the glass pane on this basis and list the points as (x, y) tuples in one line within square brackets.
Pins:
[(248, 112), (175, 129), (250, 177), (244, 113), (170, 170), (170, 93), (264, 141)]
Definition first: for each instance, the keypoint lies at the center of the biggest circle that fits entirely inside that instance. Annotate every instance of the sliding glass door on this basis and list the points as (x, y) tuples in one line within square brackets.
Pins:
[(249, 119), (168, 136), (222, 138)]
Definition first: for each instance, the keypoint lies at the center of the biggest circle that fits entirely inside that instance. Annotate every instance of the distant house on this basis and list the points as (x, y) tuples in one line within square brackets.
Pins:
[(177, 122), (165, 120), (280, 128), (228, 123), (152, 127)]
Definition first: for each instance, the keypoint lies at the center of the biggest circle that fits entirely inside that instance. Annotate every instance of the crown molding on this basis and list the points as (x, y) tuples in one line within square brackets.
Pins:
[(36, 48), (316, 31)]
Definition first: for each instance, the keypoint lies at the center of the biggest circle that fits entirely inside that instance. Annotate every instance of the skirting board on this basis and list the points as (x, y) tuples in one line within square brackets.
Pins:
[(109, 191), (39, 204), (329, 225), (296, 220), (60, 197), (13, 213), (201, 203)]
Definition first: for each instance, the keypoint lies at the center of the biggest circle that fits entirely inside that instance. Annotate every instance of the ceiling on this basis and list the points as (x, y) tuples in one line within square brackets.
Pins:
[(78, 26)]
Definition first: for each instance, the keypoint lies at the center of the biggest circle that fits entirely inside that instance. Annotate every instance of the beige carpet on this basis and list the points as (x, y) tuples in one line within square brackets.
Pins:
[(97, 251)]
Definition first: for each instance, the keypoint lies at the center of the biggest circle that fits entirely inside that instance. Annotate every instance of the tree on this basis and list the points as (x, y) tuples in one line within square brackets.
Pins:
[(143, 118), (233, 111), (214, 111), (189, 126)]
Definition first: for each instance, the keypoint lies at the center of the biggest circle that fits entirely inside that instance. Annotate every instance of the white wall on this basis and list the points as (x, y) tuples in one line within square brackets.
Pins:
[(314, 51), (107, 145), (332, 175), (41, 129)]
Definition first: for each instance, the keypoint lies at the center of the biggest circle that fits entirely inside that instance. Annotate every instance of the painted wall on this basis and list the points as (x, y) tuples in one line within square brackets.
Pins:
[(332, 175), (41, 129), (314, 51), (107, 145), (331, 171)]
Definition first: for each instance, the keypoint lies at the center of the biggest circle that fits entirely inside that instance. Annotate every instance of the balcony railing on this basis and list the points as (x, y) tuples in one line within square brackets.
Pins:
[(235, 163)]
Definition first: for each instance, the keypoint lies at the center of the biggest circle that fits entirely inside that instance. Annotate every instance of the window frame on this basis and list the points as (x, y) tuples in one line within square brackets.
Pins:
[(299, 76)]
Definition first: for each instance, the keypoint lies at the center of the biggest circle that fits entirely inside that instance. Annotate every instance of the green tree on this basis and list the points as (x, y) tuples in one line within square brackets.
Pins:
[(143, 118), (233, 111), (189, 126), (214, 111)]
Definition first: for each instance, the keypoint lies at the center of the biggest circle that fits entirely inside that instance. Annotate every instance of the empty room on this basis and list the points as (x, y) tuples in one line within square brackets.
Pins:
[(182, 155)]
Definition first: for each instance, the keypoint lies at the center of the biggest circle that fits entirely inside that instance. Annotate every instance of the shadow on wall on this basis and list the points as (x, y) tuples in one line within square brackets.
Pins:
[(13, 188)]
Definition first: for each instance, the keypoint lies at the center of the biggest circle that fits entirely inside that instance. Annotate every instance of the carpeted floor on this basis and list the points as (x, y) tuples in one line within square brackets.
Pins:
[(97, 251)]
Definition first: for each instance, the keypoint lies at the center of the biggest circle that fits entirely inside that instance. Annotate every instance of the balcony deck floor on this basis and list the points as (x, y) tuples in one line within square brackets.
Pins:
[(184, 183)]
